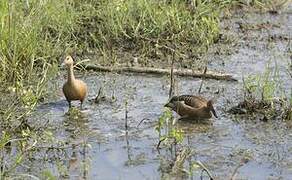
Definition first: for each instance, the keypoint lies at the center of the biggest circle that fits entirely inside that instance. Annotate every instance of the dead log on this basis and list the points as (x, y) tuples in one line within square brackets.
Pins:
[(181, 72)]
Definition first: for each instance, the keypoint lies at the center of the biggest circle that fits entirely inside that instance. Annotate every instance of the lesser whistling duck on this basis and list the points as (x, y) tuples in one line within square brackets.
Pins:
[(192, 107), (73, 89)]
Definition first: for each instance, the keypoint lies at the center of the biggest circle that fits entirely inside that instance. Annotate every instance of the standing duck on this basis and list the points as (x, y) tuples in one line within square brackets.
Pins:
[(73, 89), (192, 107)]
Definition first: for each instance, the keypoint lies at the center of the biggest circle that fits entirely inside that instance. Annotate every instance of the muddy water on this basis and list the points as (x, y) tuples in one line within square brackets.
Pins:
[(97, 147), (93, 144)]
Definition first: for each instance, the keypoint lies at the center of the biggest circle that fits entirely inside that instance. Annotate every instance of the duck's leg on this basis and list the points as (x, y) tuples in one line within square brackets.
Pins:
[(186, 117), (174, 121), (69, 102), (179, 119), (81, 103)]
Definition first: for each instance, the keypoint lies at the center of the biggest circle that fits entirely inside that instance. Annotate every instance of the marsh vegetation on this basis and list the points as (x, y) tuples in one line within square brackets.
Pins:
[(240, 37)]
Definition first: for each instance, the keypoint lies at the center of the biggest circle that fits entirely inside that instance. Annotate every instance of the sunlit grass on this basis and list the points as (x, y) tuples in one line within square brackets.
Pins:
[(35, 34)]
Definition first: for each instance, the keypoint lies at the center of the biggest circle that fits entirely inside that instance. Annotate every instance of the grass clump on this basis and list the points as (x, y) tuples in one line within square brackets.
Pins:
[(33, 36), (271, 6), (264, 94), (149, 28)]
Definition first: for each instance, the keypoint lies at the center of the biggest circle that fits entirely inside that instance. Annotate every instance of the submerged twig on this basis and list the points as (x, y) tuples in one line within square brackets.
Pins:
[(243, 161), (99, 95), (180, 159), (126, 115), (181, 72)]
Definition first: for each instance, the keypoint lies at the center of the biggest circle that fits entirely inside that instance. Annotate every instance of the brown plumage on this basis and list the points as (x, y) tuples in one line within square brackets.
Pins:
[(73, 89), (192, 107), (191, 100)]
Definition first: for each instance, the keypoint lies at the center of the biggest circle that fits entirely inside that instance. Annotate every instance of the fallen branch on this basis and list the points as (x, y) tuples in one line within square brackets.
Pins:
[(180, 72)]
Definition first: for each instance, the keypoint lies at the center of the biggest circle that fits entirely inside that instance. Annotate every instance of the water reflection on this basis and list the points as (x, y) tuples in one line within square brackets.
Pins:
[(77, 133), (190, 128)]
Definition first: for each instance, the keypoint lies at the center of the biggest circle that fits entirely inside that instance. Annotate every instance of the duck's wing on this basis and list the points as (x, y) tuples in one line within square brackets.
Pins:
[(193, 101)]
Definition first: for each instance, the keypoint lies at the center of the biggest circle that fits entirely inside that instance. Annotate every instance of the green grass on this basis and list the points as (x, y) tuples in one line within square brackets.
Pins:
[(148, 27), (35, 35)]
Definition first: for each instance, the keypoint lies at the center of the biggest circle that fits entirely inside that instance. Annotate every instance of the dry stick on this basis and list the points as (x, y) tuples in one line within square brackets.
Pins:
[(126, 115), (181, 72), (205, 169), (142, 121), (128, 146), (160, 141), (96, 99), (201, 85), (171, 77), (288, 50), (61, 147)]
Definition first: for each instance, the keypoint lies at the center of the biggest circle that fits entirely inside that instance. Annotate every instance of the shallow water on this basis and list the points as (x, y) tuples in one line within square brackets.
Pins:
[(111, 154), (95, 144)]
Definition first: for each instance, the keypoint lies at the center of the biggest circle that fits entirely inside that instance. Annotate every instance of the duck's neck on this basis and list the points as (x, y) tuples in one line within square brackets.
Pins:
[(71, 77)]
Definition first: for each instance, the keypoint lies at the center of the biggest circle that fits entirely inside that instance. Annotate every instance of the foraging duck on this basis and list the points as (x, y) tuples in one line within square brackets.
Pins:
[(73, 89), (192, 107)]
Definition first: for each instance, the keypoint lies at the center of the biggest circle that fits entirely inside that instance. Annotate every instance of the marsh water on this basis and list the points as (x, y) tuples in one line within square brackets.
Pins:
[(93, 143)]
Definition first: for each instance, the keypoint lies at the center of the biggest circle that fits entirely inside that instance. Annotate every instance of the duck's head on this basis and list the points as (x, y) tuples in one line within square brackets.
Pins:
[(173, 104), (68, 61), (211, 108), (169, 105), (173, 99)]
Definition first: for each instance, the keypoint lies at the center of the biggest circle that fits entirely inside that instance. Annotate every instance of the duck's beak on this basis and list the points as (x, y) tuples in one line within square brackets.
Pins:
[(168, 105), (214, 112)]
